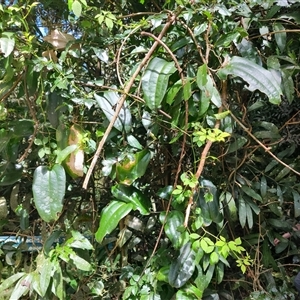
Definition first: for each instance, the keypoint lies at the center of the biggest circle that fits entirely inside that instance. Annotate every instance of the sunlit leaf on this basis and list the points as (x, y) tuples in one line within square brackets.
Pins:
[(108, 104), (133, 167), (48, 191), (155, 81), (183, 268), (256, 76), (111, 216), (130, 194), (174, 220)]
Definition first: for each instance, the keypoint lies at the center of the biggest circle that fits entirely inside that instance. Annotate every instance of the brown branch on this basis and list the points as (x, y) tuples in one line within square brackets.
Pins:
[(203, 159), (13, 87), (260, 143), (121, 101)]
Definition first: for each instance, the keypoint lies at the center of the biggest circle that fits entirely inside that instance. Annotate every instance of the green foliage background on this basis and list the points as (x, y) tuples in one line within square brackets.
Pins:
[(149, 150)]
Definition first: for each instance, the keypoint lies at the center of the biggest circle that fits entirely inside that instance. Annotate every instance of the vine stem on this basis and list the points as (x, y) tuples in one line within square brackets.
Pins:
[(121, 101), (261, 144), (203, 159)]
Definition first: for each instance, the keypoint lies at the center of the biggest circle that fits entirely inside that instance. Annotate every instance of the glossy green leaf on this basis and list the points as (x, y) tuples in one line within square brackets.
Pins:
[(45, 278), (236, 144), (133, 142), (54, 109), (131, 194), (288, 85), (285, 171), (210, 211), (256, 76), (79, 241), (263, 186), (230, 205), (7, 44), (108, 104), (49, 191), (155, 81), (21, 128), (187, 89), (250, 192), (183, 268), (163, 274), (174, 91), (10, 173), (174, 220), (202, 76), (77, 8), (10, 281), (242, 212), (133, 166), (249, 216), (280, 36), (213, 258), (80, 263), (110, 218), (296, 197), (57, 281), (21, 288)]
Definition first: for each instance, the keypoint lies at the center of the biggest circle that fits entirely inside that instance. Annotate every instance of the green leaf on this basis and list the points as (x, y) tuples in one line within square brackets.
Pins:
[(213, 258), (155, 81), (49, 191), (21, 288), (187, 89), (296, 197), (230, 205), (256, 76), (10, 173), (10, 281), (77, 8), (45, 278), (132, 195), (250, 192), (7, 45), (133, 142), (108, 105), (80, 263), (173, 92), (63, 154), (280, 37), (133, 167), (249, 216), (202, 76), (79, 241), (237, 144), (174, 220), (263, 186), (183, 268), (57, 281), (288, 85), (110, 218), (242, 212)]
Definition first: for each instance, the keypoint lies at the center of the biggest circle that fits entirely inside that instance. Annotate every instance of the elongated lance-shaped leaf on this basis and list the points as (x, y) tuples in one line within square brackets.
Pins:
[(108, 105), (48, 191), (256, 76), (110, 218), (155, 81), (183, 268), (131, 194)]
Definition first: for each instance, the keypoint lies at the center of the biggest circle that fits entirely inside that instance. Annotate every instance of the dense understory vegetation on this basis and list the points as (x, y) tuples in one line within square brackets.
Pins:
[(149, 149)]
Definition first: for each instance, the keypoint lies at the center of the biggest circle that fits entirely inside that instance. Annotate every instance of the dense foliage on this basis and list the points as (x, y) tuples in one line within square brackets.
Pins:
[(149, 149)]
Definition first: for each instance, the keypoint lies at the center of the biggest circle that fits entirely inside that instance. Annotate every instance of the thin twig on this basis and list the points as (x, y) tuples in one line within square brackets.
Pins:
[(13, 87), (121, 101), (119, 54), (261, 144)]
